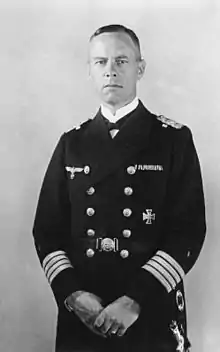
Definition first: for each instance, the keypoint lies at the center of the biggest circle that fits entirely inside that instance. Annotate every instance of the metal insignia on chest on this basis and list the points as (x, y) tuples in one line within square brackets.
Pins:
[(73, 170), (148, 216)]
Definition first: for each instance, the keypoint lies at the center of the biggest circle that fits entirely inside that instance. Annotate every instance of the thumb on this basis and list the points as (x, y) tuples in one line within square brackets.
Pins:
[(100, 319)]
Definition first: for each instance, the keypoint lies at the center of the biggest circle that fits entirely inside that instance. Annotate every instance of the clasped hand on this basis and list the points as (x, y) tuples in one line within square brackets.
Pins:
[(116, 318)]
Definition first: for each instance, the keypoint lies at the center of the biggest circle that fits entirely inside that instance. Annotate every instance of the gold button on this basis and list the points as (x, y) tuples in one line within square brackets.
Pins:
[(90, 232), (90, 211), (90, 191), (128, 191), (86, 169), (131, 170), (90, 252), (126, 233), (124, 253), (127, 212)]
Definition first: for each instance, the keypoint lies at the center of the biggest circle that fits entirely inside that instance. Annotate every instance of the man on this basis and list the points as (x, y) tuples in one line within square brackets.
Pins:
[(121, 218)]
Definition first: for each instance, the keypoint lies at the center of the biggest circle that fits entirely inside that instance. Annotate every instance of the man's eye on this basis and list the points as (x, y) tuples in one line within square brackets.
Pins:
[(121, 62), (100, 62)]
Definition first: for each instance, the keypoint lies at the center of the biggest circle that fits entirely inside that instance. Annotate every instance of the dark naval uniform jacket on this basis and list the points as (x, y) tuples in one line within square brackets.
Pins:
[(122, 216)]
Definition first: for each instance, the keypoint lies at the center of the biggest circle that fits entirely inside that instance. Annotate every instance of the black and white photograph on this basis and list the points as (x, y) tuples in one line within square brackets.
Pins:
[(110, 191)]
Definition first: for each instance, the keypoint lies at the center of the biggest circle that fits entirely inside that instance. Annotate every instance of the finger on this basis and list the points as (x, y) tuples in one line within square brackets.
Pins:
[(99, 321), (113, 329), (121, 330), (106, 326), (88, 321), (94, 330)]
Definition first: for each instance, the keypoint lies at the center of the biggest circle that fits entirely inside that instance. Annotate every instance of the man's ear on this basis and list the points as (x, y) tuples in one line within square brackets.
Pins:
[(141, 68)]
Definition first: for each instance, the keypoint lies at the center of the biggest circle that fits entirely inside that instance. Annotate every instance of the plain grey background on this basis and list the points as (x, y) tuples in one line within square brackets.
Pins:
[(45, 90)]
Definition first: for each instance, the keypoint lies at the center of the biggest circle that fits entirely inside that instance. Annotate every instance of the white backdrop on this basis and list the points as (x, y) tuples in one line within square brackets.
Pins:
[(44, 90)]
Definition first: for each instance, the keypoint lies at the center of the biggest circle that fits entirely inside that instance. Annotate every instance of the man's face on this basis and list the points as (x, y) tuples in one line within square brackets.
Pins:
[(115, 68)]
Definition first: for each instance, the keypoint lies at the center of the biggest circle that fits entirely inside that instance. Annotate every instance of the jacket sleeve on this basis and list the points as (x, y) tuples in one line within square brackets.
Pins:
[(51, 229), (183, 226)]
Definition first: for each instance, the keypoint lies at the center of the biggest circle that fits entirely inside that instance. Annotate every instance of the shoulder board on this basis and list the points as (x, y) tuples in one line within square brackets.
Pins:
[(82, 124), (168, 122)]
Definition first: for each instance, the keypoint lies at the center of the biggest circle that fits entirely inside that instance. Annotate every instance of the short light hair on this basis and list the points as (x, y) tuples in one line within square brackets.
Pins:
[(118, 28)]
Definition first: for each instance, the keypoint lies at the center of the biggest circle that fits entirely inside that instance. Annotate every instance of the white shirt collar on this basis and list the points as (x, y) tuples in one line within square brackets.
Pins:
[(120, 112)]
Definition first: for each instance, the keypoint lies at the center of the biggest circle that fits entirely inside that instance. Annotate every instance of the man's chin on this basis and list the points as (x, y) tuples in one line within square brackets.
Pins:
[(111, 99)]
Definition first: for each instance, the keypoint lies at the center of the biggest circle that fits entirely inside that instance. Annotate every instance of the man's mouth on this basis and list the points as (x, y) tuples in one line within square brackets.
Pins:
[(112, 86)]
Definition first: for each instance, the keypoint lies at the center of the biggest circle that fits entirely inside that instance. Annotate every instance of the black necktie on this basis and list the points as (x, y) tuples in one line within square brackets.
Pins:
[(116, 125), (111, 125)]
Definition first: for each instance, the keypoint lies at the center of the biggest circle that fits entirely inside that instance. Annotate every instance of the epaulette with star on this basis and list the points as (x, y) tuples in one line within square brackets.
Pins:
[(82, 124), (168, 122)]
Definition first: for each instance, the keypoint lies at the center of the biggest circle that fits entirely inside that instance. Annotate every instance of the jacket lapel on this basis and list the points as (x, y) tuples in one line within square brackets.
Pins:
[(95, 142), (105, 154)]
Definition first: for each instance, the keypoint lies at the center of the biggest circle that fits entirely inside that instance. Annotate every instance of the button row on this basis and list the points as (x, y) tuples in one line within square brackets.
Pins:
[(123, 253), (128, 191), (131, 170), (127, 212), (126, 233)]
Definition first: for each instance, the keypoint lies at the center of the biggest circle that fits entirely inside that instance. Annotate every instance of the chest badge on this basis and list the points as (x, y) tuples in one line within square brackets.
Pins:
[(148, 216), (73, 170), (149, 167)]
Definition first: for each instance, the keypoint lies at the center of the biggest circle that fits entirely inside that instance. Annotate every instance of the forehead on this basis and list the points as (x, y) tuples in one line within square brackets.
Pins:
[(112, 44)]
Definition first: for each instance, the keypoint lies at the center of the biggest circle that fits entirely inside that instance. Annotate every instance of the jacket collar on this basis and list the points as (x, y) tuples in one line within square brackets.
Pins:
[(105, 154), (120, 112)]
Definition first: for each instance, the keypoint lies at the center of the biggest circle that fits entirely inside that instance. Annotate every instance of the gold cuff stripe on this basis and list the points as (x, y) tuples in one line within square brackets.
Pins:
[(158, 276), (163, 271), (54, 261), (168, 267), (57, 271), (51, 256), (172, 262), (56, 265)]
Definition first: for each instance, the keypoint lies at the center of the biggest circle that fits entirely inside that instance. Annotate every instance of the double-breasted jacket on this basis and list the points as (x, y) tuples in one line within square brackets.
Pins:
[(123, 216)]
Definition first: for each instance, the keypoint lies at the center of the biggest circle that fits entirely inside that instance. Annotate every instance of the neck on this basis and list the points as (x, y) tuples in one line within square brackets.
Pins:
[(114, 107)]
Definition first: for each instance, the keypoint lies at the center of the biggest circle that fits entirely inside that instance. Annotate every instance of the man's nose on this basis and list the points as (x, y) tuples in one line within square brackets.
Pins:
[(110, 70)]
